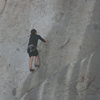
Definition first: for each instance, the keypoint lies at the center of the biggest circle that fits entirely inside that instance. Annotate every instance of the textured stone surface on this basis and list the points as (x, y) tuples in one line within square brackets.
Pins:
[(69, 62)]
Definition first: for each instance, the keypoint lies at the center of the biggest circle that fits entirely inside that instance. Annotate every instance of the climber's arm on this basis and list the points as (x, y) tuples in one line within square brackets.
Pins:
[(42, 39)]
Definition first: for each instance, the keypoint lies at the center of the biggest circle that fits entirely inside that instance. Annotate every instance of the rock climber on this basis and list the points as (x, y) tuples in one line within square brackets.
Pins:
[(32, 49)]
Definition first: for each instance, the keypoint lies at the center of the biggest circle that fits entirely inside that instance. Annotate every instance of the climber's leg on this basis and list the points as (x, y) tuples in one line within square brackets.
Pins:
[(37, 61), (30, 63)]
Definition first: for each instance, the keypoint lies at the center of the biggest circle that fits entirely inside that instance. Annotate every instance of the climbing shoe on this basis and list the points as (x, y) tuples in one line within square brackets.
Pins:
[(32, 70)]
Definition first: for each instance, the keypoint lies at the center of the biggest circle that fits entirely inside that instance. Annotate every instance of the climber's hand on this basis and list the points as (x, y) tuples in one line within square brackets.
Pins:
[(46, 41)]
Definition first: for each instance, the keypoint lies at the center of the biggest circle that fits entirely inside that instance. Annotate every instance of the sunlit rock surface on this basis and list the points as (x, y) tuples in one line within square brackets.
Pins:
[(69, 62)]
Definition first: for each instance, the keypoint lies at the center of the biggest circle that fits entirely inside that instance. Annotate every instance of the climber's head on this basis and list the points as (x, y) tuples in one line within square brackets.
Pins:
[(33, 31)]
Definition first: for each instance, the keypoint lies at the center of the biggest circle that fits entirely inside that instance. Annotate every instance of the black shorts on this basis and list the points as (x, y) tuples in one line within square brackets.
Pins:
[(35, 53), (32, 51)]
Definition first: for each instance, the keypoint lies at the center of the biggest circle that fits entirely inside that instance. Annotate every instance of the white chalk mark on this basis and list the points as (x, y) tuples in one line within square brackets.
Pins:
[(89, 62), (42, 90)]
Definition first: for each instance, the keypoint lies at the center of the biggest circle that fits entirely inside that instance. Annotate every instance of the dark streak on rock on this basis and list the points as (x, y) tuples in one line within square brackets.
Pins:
[(2, 11), (14, 91), (17, 49), (9, 65)]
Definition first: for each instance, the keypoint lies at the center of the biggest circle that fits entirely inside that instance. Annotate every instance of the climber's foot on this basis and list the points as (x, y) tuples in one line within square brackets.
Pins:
[(32, 70)]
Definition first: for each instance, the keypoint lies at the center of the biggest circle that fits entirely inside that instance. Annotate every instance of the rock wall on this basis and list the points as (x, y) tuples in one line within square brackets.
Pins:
[(69, 62)]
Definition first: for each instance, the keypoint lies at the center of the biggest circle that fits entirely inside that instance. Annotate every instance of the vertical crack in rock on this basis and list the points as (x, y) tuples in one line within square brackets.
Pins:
[(65, 43)]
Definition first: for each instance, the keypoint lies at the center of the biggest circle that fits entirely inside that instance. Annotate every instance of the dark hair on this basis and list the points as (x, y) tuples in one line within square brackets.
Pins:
[(33, 31)]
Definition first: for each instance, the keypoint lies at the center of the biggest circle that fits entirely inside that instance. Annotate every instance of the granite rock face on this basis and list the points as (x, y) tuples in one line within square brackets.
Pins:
[(69, 62)]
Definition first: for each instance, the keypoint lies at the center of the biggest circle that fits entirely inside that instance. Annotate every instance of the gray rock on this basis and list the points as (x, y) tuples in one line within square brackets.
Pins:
[(69, 62)]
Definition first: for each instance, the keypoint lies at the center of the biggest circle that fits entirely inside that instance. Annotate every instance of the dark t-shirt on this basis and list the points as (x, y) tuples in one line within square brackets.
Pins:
[(34, 39)]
